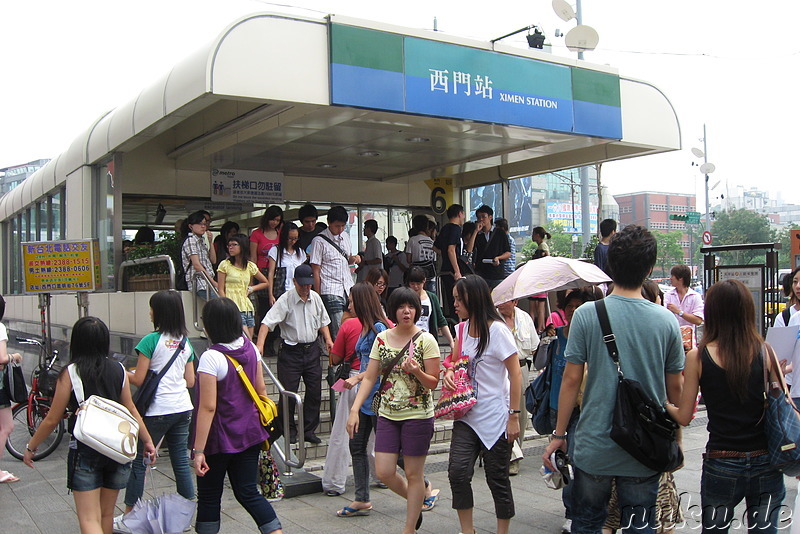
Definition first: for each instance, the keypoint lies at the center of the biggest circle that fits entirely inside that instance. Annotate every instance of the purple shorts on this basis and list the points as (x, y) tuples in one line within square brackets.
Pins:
[(412, 437)]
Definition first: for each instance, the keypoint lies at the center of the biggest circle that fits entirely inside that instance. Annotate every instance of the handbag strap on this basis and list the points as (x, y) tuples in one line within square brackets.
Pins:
[(77, 383), (609, 338), (164, 369), (245, 380), (334, 245), (768, 355), (397, 358)]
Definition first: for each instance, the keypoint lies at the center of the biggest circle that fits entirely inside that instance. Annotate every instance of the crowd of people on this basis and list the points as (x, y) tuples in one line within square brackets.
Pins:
[(386, 329)]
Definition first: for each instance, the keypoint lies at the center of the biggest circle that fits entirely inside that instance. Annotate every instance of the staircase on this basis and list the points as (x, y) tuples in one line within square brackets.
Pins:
[(315, 454)]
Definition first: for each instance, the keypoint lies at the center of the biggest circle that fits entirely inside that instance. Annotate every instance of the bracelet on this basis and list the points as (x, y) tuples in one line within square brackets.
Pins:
[(198, 451), (33, 451), (514, 411), (559, 436)]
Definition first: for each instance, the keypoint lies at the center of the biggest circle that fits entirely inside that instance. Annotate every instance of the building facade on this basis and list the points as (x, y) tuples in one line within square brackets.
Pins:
[(652, 210)]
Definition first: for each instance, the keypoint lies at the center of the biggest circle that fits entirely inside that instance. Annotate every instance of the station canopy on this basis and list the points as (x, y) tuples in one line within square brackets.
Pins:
[(338, 97)]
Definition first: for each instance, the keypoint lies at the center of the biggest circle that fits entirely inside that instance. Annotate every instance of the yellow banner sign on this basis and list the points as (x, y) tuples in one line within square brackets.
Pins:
[(441, 194), (61, 266)]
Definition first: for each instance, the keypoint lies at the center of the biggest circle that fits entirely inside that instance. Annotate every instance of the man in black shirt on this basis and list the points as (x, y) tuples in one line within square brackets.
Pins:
[(309, 226), (449, 245), (491, 248)]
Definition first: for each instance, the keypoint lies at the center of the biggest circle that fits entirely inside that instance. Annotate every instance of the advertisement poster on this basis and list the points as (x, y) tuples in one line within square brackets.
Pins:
[(61, 266)]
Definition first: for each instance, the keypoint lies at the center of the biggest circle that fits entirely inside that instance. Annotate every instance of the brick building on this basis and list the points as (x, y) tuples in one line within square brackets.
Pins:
[(652, 210)]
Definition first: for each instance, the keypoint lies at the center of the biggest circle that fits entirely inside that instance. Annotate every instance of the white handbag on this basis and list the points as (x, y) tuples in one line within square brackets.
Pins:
[(104, 425)]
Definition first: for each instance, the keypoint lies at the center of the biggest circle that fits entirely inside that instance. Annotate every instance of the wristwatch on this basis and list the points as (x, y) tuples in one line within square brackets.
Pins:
[(680, 314), (513, 411)]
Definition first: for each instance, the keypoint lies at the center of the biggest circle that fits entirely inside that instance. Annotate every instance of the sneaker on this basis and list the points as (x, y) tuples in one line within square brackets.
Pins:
[(119, 527), (566, 528)]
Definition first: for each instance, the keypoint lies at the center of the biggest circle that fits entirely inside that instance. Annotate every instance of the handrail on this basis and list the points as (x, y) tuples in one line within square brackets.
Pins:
[(301, 450), (211, 292), (144, 261)]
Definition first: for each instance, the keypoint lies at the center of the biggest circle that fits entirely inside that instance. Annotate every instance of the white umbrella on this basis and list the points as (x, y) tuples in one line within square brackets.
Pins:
[(550, 273)]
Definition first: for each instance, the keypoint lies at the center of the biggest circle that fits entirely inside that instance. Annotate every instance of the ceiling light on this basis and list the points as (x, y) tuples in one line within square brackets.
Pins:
[(327, 165), (418, 139), (369, 154)]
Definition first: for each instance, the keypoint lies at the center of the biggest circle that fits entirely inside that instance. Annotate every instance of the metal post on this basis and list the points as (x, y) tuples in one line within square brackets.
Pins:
[(705, 161), (586, 223)]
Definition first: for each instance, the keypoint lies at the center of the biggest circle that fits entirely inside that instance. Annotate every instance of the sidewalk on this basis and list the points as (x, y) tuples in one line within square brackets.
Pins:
[(39, 503)]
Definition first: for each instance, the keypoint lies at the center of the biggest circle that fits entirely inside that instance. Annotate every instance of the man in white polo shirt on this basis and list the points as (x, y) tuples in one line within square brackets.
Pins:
[(330, 260)]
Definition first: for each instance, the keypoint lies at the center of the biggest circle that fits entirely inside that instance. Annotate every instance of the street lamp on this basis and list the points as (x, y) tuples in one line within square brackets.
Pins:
[(706, 168)]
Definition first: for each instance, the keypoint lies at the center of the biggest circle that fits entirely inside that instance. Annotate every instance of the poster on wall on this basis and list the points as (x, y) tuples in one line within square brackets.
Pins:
[(235, 185)]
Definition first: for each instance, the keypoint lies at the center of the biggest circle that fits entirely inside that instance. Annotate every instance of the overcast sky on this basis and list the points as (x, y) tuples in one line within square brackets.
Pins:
[(732, 66)]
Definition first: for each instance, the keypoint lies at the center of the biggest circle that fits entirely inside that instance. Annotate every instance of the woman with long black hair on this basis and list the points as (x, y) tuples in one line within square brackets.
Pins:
[(492, 424), (95, 479), (728, 368)]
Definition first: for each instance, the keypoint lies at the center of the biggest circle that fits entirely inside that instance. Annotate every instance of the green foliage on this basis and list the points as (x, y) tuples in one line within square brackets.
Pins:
[(742, 226), (588, 250), (670, 252), (560, 244), (170, 244)]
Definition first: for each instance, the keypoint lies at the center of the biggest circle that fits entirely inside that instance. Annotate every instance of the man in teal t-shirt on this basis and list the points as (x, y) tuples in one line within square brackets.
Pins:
[(651, 352)]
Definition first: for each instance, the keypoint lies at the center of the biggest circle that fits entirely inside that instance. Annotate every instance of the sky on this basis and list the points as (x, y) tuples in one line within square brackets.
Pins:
[(731, 66)]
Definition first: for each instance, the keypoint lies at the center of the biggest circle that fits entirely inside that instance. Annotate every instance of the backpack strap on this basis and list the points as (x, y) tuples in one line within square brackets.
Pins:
[(786, 314)]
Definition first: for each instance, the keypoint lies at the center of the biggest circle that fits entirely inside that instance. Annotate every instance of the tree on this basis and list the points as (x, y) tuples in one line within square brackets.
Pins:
[(670, 252), (741, 226), (560, 244)]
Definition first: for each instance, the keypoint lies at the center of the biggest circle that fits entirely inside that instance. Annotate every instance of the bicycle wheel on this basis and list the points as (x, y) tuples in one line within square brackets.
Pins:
[(23, 431)]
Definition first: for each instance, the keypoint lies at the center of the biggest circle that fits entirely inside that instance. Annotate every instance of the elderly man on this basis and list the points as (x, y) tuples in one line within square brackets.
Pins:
[(527, 341), (302, 318)]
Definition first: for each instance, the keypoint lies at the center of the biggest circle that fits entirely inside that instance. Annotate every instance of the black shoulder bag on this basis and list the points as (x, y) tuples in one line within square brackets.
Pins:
[(639, 425), (334, 245), (147, 391), (376, 400)]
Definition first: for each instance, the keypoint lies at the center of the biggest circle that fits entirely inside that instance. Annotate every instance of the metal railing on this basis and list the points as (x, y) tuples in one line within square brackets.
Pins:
[(211, 292), (145, 261), (286, 418)]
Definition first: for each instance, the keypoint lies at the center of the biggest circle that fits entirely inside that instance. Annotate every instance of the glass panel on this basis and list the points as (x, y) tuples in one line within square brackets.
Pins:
[(104, 223), (520, 212), (382, 216), (43, 220), (401, 222), (57, 215), (25, 225), (16, 255), (491, 195)]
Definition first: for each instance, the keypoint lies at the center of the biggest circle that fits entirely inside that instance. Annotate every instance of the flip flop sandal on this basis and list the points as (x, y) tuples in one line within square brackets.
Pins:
[(7, 478), (352, 512), (429, 502)]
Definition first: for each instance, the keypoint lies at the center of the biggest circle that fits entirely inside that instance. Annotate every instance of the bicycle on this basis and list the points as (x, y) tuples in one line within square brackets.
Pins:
[(29, 414)]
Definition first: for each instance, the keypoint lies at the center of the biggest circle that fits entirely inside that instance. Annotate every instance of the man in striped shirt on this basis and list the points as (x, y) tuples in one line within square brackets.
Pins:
[(330, 260)]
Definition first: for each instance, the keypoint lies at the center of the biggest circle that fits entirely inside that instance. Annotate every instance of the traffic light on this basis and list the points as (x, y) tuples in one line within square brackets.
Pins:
[(678, 217)]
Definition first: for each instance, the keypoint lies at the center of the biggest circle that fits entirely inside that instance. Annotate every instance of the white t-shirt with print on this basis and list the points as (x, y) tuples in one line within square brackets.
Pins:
[(171, 395), (424, 321), (489, 417)]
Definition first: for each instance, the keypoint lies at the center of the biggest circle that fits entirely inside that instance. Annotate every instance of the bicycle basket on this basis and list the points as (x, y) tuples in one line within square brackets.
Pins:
[(47, 382)]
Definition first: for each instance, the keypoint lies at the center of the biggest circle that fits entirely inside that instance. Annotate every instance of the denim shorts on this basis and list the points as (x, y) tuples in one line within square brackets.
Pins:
[(88, 470), (248, 319), (412, 437)]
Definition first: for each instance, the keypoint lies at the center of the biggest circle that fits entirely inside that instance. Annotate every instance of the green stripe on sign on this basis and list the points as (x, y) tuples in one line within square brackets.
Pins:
[(366, 48), (595, 87)]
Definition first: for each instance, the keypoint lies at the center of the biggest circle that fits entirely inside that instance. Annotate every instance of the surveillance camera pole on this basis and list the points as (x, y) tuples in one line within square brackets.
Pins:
[(586, 222), (705, 160)]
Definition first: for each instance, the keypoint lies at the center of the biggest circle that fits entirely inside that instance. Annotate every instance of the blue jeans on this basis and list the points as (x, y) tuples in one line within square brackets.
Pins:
[(636, 497), (566, 492), (174, 428), (726, 481), (242, 470), (335, 306)]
